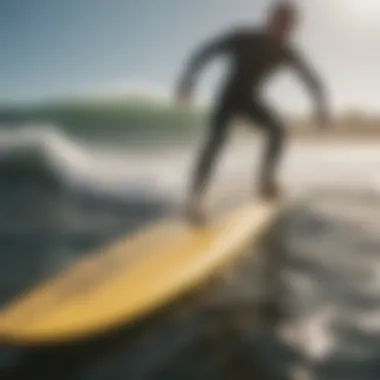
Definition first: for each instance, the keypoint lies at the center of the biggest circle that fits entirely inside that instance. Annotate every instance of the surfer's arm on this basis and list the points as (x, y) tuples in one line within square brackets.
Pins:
[(312, 82), (201, 57)]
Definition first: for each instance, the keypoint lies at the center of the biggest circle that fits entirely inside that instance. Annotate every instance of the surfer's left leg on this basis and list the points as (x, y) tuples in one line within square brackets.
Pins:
[(208, 156), (275, 134)]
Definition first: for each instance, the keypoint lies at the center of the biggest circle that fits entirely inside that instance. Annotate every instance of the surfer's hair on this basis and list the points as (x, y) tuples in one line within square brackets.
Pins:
[(285, 9)]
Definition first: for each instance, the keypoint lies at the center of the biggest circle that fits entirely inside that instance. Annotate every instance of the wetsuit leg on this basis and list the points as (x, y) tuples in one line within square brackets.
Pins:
[(269, 123), (210, 151)]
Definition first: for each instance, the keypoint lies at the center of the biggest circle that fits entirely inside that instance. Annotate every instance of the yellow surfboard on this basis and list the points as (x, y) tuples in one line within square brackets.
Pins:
[(131, 278)]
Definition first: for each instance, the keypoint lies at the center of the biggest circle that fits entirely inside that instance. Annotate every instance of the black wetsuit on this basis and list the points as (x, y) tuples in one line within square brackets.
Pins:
[(255, 56)]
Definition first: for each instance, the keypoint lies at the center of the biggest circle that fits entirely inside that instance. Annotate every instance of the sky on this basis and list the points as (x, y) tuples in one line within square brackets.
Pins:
[(54, 48)]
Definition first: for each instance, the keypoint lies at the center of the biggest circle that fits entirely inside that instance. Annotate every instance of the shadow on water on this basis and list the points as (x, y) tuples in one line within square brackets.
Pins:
[(194, 338)]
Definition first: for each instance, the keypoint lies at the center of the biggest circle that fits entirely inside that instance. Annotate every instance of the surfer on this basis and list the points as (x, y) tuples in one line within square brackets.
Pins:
[(255, 54)]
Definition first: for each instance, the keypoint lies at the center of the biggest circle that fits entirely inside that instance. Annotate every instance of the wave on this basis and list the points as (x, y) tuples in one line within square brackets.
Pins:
[(135, 119), (46, 158), (41, 153)]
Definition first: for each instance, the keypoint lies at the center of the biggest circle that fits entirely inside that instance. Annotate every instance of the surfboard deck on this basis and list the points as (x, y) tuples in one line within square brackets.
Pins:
[(132, 277)]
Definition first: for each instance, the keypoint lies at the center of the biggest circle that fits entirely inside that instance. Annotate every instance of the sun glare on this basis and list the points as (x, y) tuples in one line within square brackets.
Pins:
[(363, 9)]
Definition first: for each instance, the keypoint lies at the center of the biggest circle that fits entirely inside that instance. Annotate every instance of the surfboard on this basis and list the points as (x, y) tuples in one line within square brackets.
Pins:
[(132, 277)]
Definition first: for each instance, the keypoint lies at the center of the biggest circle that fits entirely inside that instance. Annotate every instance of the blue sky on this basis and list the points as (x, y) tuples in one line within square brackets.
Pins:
[(53, 48)]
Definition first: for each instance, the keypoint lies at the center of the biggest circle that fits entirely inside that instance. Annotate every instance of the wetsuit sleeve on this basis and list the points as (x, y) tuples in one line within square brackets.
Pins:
[(204, 54), (308, 75)]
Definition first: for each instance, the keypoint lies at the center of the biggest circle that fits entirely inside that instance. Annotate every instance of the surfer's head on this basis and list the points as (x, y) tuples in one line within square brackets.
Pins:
[(282, 19)]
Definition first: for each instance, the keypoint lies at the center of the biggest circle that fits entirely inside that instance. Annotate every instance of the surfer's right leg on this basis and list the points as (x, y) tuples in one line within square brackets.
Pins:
[(209, 154)]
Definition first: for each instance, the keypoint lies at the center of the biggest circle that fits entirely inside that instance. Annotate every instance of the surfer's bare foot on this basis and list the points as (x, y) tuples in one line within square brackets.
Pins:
[(269, 189), (195, 212)]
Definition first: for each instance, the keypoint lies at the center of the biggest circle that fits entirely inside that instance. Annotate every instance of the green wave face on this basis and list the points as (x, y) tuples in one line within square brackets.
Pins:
[(134, 120)]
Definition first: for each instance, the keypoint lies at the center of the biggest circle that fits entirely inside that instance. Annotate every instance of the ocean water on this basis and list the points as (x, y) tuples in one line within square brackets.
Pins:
[(64, 194)]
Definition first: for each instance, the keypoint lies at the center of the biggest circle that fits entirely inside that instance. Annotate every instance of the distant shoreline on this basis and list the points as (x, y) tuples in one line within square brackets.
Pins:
[(332, 134), (335, 139)]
